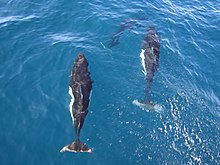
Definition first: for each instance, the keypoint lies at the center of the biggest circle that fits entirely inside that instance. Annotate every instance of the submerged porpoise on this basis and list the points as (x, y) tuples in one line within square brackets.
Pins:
[(127, 24), (80, 87)]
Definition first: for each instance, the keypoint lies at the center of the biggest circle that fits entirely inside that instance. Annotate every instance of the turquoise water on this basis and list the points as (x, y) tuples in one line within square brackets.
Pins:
[(39, 41)]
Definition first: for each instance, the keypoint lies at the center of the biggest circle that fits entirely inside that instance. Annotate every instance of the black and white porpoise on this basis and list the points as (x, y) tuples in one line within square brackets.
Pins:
[(80, 87), (150, 57), (150, 62)]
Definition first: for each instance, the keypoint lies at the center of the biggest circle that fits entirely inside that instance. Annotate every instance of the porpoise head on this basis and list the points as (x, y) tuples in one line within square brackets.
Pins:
[(81, 61)]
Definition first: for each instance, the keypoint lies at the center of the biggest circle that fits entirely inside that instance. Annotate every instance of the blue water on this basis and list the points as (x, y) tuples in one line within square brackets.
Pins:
[(39, 41)]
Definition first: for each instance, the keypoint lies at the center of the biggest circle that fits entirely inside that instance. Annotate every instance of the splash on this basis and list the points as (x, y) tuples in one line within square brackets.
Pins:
[(148, 107)]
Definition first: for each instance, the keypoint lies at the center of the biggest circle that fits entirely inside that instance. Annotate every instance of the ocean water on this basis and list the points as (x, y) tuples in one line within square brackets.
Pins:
[(39, 41)]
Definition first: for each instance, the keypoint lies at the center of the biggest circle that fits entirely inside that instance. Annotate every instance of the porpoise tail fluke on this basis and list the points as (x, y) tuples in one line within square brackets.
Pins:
[(76, 146)]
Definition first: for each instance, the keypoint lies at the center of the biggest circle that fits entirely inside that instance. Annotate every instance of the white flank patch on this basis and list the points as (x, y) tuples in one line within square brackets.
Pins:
[(143, 61), (71, 102)]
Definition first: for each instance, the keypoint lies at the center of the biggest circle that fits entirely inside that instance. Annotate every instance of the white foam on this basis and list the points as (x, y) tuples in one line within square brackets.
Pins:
[(143, 61), (197, 159), (140, 105), (90, 97), (64, 149), (16, 18), (103, 45), (147, 107), (158, 108), (71, 102)]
